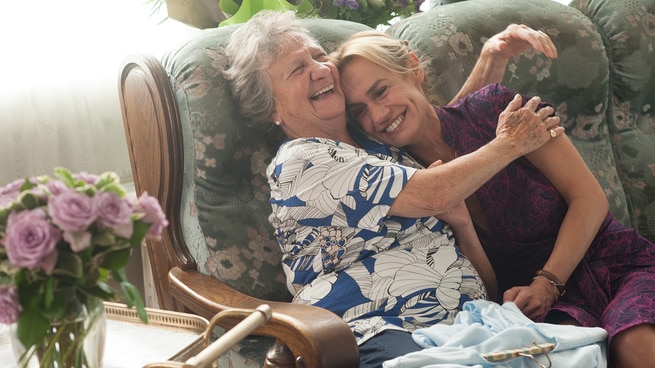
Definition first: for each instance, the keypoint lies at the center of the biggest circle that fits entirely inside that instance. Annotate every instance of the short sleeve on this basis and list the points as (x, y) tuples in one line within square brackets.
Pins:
[(327, 183)]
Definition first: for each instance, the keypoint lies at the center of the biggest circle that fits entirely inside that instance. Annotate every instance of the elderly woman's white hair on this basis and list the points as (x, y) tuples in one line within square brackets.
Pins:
[(250, 51)]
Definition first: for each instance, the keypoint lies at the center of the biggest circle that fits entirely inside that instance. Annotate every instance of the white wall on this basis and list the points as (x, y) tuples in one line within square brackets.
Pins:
[(59, 95)]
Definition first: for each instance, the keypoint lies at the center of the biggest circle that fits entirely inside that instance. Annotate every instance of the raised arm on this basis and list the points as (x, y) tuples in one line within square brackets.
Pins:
[(496, 52)]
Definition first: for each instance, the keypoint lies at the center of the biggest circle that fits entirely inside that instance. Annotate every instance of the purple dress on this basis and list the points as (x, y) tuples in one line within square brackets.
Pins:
[(613, 286)]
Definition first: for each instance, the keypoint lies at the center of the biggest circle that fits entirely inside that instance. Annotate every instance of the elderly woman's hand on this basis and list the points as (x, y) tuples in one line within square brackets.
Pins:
[(517, 38), (527, 128)]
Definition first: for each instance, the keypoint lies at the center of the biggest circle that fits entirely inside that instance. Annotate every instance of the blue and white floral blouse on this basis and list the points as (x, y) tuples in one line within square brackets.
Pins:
[(343, 253)]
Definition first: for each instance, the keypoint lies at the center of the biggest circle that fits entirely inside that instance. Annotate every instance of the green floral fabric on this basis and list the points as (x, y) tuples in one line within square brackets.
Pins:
[(602, 84), (628, 32), (576, 83)]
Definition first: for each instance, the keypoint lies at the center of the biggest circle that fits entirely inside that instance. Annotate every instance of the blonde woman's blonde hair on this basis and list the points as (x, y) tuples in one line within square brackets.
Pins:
[(379, 48)]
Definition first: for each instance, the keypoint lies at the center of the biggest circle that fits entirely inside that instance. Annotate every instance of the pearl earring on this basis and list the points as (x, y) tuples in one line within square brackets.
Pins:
[(277, 122)]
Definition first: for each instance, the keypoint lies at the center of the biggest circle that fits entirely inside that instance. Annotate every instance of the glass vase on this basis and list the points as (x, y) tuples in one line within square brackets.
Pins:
[(76, 341)]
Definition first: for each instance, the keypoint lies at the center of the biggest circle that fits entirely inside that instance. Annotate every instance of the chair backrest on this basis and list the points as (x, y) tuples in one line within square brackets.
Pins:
[(577, 83), (626, 28), (191, 149), (602, 83)]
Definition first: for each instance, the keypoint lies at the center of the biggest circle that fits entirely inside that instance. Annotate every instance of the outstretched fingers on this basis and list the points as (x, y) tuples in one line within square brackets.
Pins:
[(516, 38), (541, 42)]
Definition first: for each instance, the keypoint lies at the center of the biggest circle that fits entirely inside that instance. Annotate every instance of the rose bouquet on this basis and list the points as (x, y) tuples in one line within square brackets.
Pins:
[(61, 240)]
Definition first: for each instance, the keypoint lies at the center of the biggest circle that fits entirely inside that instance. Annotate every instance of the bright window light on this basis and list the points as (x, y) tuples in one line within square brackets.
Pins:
[(45, 41)]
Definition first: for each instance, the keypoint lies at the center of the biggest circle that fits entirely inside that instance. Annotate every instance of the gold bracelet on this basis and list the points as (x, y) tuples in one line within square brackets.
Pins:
[(553, 280)]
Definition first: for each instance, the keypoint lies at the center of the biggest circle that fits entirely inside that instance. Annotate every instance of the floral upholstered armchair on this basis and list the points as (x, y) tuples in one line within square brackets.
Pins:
[(191, 149)]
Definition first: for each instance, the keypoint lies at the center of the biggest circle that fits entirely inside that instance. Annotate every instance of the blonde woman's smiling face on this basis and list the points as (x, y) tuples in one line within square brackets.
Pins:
[(387, 105)]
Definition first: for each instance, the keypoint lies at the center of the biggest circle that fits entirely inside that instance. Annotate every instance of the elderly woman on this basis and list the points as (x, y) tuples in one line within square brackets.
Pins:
[(363, 234), (545, 211)]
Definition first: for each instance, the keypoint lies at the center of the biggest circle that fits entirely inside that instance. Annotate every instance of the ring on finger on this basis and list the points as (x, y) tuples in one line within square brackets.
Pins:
[(553, 134)]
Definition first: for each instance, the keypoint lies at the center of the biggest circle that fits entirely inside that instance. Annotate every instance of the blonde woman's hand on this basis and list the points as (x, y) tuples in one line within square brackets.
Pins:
[(533, 300), (517, 38), (498, 50)]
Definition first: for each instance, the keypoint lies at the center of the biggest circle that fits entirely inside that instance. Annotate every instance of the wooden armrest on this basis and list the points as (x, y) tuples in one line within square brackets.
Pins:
[(315, 336)]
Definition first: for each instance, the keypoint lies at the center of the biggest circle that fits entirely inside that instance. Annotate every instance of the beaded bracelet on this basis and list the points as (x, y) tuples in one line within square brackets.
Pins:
[(553, 280)]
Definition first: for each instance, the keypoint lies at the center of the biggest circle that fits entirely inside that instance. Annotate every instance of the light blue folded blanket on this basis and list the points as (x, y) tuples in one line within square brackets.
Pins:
[(484, 328)]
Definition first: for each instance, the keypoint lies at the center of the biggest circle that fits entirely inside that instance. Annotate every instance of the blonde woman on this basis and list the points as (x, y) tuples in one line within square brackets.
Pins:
[(543, 220)]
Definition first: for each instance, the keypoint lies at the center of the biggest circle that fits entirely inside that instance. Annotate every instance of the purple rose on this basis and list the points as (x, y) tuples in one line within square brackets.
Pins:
[(30, 240), (10, 192), (56, 187), (72, 211), (86, 177), (115, 212), (153, 214), (352, 4), (9, 306)]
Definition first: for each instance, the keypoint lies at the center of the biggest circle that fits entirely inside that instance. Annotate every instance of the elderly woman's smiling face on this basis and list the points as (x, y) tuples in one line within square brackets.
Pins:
[(308, 98)]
